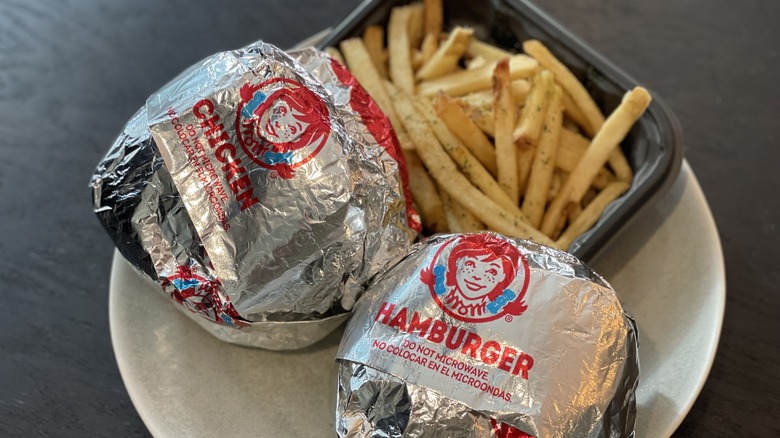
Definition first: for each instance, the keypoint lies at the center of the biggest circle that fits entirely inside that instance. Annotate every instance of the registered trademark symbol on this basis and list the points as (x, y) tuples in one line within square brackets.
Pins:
[(274, 174), (508, 318)]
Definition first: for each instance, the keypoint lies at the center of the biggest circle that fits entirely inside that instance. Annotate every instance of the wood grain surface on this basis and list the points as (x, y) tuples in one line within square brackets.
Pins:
[(73, 71)]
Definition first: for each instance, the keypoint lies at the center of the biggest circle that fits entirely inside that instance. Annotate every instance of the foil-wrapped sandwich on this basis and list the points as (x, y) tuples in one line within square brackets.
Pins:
[(480, 335), (262, 190)]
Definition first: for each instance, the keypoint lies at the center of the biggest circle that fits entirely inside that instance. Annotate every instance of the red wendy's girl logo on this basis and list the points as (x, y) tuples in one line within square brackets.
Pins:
[(281, 124), (478, 278), (200, 295)]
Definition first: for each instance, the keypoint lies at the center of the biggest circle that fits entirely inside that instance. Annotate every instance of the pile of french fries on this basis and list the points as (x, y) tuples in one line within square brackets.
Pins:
[(493, 140)]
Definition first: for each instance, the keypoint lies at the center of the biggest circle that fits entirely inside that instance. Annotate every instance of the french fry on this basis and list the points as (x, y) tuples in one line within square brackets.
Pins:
[(543, 165), (475, 62), (566, 79), (463, 128), (573, 112), (429, 46), (608, 138), (590, 215), (335, 54), (417, 59), (466, 161), (416, 24), (532, 118), (483, 118), (373, 38), (434, 16), (468, 81), (556, 184), (582, 100), (504, 116), (425, 195), (404, 140), (525, 159), (489, 53), (446, 57), (571, 148), (589, 196), (459, 220), (445, 172), (399, 49), (484, 99), (562, 221), (619, 164), (529, 126), (359, 63), (574, 212), (603, 178), (457, 143)]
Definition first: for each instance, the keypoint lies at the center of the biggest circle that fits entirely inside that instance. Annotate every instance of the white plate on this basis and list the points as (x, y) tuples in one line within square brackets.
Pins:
[(667, 267)]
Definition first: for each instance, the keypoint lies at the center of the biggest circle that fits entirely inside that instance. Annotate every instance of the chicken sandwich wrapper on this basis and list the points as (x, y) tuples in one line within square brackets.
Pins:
[(262, 190), (480, 335)]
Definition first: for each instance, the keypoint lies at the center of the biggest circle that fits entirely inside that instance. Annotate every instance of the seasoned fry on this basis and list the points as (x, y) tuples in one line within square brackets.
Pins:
[(574, 212), (571, 148), (373, 38), (425, 195), (417, 59), (484, 99), (404, 140), (543, 165), (468, 81), (463, 128), (460, 128), (416, 24), (574, 113), (589, 196), (608, 138), (619, 164), (429, 46), (525, 159), (360, 64), (582, 100), (399, 49), (475, 62), (532, 118), (466, 161), (588, 217), (504, 116), (562, 221), (489, 53), (459, 220), (566, 79), (444, 171), (434, 16), (555, 185), (335, 54), (446, 57), (603, 178), (483, 118)]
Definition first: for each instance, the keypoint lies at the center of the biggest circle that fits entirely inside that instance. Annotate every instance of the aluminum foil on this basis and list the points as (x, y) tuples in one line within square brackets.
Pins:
[(262, 190), (480, 335)]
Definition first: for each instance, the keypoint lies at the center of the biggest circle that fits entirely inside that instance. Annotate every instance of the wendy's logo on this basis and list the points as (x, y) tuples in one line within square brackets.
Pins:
[(478, 278), (281, 124)]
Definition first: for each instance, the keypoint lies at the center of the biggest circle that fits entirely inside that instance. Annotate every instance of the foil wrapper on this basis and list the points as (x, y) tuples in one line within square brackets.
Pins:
[(480, 335), (261, 189)]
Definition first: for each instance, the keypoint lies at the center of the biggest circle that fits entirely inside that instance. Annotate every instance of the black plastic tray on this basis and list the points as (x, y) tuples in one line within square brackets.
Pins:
[(654, 146)]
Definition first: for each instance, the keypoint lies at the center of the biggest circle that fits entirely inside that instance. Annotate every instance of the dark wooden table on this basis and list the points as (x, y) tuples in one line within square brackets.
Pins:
[(72, 72)]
